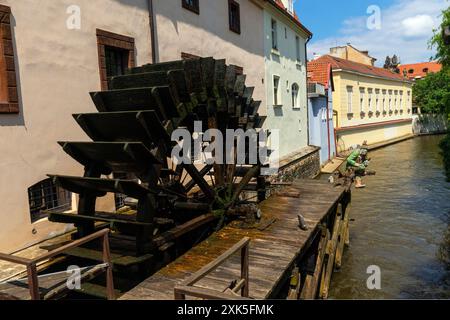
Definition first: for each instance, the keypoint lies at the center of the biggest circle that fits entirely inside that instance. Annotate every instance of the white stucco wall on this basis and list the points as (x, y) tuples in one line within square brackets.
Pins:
[(56, 69), (292, 122), (208, 35)]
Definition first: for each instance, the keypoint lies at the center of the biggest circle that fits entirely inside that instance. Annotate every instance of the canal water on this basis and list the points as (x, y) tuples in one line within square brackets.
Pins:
[(401, 224)]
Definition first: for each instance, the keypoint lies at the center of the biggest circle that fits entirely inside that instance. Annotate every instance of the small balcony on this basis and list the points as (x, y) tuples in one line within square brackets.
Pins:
[(315, 90)]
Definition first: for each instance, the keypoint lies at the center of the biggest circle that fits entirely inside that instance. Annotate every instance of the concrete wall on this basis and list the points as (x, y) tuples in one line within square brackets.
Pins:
[(292, 121), (56, 69), (208, 34)]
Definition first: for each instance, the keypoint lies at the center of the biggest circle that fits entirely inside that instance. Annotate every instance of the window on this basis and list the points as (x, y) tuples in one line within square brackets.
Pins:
[(191, 5), (425, 70), (362, 98), (350, 99), (276, 91), (9, 98), (116, 54), (294, 91), (274, 35), (45, 197), (401, 100), (370, 96), (377, 97), (396, 100), (390, 101), (234, 16), (285, 32), (410, 71), (297, 48)]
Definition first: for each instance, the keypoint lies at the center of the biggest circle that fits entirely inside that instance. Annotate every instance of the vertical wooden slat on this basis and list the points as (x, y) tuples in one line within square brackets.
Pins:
[(109, 272), (33, 282), (245, 270)]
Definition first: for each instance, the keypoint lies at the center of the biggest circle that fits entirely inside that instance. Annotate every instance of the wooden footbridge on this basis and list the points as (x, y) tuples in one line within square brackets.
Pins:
[(278, 249)]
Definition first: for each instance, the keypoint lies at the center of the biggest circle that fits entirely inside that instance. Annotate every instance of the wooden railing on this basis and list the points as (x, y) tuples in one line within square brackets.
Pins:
[(187, 287), (31, 264)]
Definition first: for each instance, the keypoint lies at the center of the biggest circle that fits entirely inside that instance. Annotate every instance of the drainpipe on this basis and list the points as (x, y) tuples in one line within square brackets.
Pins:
[(335, 130), (328, 126), (152, 30), (306, 70)]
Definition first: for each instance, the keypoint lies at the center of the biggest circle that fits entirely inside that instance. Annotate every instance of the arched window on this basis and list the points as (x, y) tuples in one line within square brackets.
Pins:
[(294, 90), (45, 197)]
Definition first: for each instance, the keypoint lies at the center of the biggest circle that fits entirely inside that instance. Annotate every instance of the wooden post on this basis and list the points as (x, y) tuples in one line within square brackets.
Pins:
[(245, 270), (342, 237), (33, 282), (109, 270), (331, 251)]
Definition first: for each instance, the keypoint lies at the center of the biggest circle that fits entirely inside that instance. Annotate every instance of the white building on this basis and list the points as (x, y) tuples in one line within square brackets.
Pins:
[(285, 41)]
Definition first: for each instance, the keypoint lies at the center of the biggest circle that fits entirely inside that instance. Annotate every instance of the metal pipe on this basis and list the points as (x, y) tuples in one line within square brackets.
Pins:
[(152, 30)]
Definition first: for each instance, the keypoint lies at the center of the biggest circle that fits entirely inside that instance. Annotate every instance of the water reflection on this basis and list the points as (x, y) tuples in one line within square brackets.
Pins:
[(401, 225)]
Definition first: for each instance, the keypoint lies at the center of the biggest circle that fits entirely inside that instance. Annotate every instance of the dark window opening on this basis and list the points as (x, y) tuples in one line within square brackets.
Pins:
[(234, 16), (411, 71), (425, 70), (116, 60), (45, 197), (274, 35), (191, 5)]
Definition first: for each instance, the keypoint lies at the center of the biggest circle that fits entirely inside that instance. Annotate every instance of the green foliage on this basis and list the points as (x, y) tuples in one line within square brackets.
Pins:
[(445, 147), (443, 51), (432, 94)]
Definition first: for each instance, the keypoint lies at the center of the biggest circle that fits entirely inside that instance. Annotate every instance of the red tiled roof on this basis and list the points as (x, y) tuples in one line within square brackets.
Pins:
[(419, 69), (347, 65), (319, 71), (294, 17)]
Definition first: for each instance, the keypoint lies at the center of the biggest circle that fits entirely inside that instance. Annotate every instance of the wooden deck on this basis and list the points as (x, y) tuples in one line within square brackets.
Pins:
[(276, 243)]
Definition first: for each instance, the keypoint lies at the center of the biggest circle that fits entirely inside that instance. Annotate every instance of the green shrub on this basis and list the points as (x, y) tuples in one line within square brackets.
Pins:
[(445, 147)]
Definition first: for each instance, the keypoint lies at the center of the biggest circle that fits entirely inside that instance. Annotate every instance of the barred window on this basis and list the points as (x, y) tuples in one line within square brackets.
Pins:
[(45, 197)]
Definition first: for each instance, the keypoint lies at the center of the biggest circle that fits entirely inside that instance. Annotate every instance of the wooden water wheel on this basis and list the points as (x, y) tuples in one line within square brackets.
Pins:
[(131, 136)]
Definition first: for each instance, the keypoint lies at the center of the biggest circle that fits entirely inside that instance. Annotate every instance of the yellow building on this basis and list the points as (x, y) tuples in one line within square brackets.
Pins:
[(369, 103)]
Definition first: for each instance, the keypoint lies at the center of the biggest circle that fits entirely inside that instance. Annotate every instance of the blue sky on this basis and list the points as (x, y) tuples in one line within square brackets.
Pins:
[(405, 26)]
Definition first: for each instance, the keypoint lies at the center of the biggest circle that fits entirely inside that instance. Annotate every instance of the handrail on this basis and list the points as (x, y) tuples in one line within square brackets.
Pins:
[(31, 264), (187, 286)]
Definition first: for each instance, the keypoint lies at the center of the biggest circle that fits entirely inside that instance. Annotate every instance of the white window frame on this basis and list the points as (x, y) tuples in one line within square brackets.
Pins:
[(277, 93), (362, 92), (349, 99), (295, 100)]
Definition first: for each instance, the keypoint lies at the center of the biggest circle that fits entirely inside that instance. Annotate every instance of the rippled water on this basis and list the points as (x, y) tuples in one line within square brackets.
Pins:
[(401, 225)]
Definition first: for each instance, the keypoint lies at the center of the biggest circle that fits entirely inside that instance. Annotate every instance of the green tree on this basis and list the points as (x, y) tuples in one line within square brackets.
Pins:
[(432, 94), (437, 41), (440, 98)]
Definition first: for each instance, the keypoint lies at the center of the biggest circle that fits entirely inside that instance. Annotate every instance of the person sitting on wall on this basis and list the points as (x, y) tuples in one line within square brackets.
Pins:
[(357, 163)]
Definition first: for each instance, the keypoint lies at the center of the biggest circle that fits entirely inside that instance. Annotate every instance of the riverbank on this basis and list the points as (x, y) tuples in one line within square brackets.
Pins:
[(401, 224)]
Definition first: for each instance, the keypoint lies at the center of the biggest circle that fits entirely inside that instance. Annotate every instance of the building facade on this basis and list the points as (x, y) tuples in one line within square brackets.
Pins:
[(370, 103), (417, 71), (53, 54), (320, 109), (285, 74)]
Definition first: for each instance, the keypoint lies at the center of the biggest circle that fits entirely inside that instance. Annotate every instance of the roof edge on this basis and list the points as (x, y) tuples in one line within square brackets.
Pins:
[(291, 17)]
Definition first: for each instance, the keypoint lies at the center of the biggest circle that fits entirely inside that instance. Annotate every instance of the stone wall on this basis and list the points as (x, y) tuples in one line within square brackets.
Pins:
[(430, 123), (305, 165)]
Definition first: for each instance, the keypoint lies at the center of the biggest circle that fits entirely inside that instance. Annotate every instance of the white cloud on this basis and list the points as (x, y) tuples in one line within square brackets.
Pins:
[(406, 27), (418, 26)]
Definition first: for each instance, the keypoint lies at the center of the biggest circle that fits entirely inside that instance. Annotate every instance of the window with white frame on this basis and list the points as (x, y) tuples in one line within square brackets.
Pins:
[(276, 91), (349, 99), (401, 100), (370, 97), (390, 101), (384, 100), (362, 97), (377, 101), (396, 100), (297, 48), (295, 100), (274, 35)]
